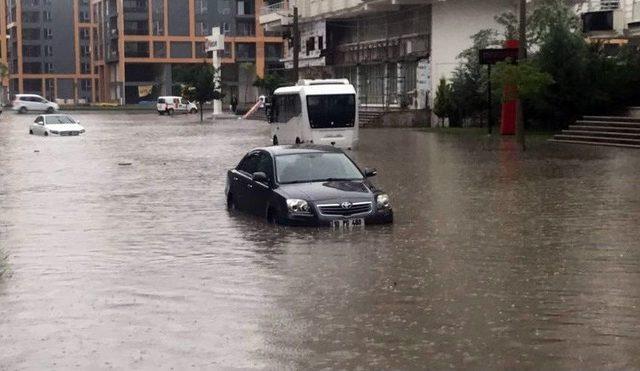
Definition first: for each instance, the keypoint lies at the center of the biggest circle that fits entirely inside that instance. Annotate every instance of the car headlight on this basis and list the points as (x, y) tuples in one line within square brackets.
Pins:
[(81, 131), (298, 206), (55, 132), (382, 200)]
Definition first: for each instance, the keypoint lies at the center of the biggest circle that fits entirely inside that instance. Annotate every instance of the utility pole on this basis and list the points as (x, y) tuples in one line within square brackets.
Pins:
[(522, 56), (296, 45)]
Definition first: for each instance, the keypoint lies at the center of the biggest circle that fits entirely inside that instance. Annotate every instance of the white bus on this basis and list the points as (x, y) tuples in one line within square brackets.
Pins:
[(315, 111)]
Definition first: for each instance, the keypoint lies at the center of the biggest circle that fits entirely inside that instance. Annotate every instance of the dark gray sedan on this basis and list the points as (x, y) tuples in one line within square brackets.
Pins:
[(306, 185)]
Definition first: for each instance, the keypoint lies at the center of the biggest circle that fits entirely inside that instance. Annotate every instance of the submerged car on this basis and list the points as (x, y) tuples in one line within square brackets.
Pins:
[(308, 185), (61, 125)]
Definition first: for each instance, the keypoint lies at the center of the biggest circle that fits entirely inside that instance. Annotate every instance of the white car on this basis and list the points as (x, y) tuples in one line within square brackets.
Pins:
[(33, 102), (59, 125), (171, 105)]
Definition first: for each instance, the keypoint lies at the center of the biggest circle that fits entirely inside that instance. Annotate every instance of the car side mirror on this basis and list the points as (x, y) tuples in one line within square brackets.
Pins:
[(368, 173), (260, 177)]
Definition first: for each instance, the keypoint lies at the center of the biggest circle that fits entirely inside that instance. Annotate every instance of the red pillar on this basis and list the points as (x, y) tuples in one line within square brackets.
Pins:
[(508, 118)]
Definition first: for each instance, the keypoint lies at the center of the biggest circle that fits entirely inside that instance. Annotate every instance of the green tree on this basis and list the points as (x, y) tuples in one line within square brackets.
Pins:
[(270, 83), (442, 106), (199, 85), (469, 80), (530, 82)]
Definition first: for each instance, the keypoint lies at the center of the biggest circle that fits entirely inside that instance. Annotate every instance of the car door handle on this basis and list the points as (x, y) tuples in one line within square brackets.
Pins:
[(235, 178), (249, 185)]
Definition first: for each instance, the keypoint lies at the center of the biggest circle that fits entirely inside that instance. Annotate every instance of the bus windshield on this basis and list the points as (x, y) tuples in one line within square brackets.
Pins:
[(331, 111)]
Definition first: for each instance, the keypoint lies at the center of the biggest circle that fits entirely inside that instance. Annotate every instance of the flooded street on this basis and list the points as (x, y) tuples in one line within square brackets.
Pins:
[(497, 259)]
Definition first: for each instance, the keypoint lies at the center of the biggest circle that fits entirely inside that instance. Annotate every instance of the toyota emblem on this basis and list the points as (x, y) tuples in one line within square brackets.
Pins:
[(346, 205)]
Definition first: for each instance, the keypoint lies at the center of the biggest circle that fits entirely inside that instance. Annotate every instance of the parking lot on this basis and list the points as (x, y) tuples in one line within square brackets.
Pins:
[(119, 253)]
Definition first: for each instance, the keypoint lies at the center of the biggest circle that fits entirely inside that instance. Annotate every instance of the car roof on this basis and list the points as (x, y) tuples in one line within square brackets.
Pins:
[(300, 148), (56, 114), (28, 95)]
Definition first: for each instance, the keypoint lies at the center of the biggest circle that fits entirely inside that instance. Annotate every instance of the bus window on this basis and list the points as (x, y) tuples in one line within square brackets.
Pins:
[(286, 107), (331, 111)]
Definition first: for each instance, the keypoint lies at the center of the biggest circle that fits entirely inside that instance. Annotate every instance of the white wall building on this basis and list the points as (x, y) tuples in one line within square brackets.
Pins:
[(616, 21), (408, 44)]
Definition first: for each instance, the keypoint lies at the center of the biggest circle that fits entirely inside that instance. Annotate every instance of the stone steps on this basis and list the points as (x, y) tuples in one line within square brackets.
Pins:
[(617, 131)]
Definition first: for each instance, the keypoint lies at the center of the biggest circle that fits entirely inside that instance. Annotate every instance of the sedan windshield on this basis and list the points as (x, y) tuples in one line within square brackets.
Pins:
[(315, 167), (59, 120)]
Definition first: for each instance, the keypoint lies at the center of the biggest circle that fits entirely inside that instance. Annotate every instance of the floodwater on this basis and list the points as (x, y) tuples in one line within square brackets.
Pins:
[(497, 259)]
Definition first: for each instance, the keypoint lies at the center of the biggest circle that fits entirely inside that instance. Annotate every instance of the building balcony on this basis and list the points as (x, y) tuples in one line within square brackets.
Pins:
[(276, 16), (603, 24), (633, 29)]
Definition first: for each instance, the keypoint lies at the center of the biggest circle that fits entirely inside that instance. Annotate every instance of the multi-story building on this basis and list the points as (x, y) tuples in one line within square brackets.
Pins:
[(394, 51), (611, 21), (126, 51), (47, 48)]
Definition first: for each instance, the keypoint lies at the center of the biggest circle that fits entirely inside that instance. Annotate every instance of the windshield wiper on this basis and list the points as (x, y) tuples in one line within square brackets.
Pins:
[(321, 180)]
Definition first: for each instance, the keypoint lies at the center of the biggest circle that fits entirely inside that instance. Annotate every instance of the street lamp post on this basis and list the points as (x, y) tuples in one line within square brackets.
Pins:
[(215, 42)]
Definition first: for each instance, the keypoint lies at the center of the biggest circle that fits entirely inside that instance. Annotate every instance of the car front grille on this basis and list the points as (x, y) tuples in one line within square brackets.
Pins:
[(69, 133), (346, 209)]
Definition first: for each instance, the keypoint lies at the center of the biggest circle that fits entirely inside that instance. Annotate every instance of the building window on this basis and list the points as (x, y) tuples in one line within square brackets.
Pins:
[(181, 49), (311, 45), (136, 49), (49, 68), (48, 51), (320, 43), (201, 29), (159, 49), (85, 51), (244, 7), (30, 17), (158, 17), (30, 51), (48, 34), (84, 16), (245, 51), (30, 34), (244, 28), (85, 84), (46, 16), (85, 68)]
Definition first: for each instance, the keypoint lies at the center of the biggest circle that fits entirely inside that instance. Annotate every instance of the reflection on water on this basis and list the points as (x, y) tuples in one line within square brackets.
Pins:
[(497, 259)]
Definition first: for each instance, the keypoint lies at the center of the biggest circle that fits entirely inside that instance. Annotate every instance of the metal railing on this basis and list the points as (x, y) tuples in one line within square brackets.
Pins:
[(274, 8)]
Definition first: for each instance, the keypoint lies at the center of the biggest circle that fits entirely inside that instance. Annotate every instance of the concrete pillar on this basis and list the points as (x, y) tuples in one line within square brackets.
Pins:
[(166, 79)]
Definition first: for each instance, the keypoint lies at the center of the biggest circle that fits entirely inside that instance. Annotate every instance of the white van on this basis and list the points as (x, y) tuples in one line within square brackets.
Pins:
[(32, 102), (315, 111), (171, 105)]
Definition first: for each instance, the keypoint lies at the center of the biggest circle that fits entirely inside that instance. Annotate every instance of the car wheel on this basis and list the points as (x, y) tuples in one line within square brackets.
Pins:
[(46, 133), (30, 132), (193, 110), (275, 140), (273, 216), (22, 110), (231, 204), (50, 110), (170, 112), (161, 113), (298, 141)]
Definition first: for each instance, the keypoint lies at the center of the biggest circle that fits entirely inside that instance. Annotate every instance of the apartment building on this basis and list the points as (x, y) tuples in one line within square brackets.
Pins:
[(126, 51), (394, 51), (45, 44), (611, 21)]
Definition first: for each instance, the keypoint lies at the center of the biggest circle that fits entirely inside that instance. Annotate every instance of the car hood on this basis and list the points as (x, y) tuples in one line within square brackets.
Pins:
[(328, 191), (65, 127)]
